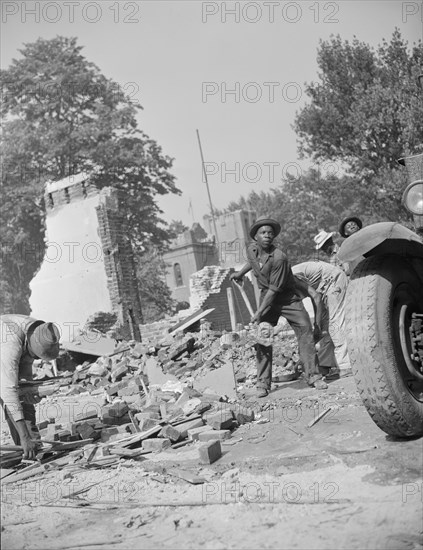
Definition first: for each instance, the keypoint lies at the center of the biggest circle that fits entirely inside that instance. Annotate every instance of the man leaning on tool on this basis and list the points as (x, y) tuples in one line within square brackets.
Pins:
[(278, 297), (23, 339)]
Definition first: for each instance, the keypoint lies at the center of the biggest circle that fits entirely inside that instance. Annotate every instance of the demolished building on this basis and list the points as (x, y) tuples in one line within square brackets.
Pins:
[(88, 265)]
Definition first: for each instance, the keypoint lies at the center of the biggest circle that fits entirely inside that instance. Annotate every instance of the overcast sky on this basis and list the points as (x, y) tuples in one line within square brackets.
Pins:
[(182, 59)]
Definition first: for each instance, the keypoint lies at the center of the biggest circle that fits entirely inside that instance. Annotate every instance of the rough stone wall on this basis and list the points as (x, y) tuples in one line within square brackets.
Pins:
[(208, 290)]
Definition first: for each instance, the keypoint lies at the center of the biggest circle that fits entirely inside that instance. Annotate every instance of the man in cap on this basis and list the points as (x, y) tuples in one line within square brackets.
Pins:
[(23, 339), (278, 297)]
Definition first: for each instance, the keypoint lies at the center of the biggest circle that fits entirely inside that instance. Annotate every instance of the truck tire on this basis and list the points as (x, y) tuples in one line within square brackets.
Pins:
[(382, 290)]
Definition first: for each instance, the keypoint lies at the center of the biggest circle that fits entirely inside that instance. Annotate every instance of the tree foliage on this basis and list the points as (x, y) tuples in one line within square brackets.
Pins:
[(156, 298), (304, 205), (366, 111), (63, 116), (176, 227), (364, 114)]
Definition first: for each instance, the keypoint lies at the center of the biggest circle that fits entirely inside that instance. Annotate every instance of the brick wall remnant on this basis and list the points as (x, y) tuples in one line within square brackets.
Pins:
[(208, 290), (119, 262), (88, 265)]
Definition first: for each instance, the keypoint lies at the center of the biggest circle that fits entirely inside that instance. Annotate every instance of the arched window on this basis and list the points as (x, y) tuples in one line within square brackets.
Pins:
[(178, 275)]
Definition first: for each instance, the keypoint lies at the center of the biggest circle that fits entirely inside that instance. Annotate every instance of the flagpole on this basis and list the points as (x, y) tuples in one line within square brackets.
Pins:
[(208, 190)]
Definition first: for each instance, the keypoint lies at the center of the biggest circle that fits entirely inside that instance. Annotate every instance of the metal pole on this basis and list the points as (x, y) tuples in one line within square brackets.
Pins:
[(208, 190)]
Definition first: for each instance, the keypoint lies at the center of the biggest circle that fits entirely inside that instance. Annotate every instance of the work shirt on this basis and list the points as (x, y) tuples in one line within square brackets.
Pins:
[(16, 362), (273, 271), (320, 275)]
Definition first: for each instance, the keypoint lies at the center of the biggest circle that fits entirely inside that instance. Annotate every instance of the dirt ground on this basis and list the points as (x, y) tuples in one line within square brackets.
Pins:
[(341, 483)]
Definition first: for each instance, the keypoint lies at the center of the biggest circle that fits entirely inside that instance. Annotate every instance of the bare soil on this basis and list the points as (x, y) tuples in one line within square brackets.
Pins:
[(341, 483)]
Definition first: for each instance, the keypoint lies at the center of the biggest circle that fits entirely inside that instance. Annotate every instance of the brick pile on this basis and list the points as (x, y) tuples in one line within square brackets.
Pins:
[(208, 289), (138, 417)]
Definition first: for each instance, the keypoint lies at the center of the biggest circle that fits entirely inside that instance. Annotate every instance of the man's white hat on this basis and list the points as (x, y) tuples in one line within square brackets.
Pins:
[(321, 238)]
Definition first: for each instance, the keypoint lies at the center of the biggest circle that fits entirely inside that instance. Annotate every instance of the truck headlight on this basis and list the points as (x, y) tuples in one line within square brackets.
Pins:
[(413, 197)]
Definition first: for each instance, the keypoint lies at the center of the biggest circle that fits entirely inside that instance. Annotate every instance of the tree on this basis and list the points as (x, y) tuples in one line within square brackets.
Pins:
[(366, 111), (176, 227), (156, 298), (63, 116), (305, 204)]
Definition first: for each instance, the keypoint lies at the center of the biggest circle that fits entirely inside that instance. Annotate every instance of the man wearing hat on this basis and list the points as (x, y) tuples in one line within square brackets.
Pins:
[(324, 242), (278, 297), (23, 339), (349, 226)]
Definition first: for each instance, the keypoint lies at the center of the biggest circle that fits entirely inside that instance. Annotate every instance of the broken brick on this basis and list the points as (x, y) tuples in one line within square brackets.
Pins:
[(171, 433), (193, 433), (243, 415), (156, 444), (185, 426), (116, 410), (147, 414), (210, 452), (220, 420), (146, 424), (119, 372)]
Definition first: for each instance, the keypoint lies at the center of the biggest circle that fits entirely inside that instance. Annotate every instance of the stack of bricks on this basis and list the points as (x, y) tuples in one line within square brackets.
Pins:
[(209, 290), (155, 331)]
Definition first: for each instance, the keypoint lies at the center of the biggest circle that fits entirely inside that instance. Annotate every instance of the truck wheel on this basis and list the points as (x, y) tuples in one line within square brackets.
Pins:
[(383, 293)]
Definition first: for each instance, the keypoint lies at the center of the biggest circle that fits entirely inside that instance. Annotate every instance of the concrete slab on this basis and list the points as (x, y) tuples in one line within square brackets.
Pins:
[(221, 381)]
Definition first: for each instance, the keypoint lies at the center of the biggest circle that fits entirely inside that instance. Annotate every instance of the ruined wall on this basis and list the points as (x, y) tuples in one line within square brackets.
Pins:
[(88, 264), (119, 262), (208, 290)]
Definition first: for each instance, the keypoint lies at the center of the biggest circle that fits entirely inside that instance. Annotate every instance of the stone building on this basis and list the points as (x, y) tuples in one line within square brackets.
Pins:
[(189, 252), (88, 265)]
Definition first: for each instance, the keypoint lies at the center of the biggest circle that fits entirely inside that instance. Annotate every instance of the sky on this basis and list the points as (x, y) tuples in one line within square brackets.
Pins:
[(236, 71)]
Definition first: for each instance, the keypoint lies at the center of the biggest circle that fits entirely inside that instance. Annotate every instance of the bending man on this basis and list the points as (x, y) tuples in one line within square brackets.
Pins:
[(331, 282), (23, 339)]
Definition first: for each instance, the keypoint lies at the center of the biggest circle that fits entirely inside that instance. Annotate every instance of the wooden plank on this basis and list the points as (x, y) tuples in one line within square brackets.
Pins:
[(231, 308), (141, 436), (9, 448), (245, 297), (134, 421), (66, 445), (185, 323), (128, 453), (37, 469), (319, 417)]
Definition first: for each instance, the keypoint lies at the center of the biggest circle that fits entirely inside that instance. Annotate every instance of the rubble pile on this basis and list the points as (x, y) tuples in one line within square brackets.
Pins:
[(149, 399)]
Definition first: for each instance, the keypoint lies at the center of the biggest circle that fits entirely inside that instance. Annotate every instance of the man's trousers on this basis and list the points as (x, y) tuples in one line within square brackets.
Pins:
[(298, 318)]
